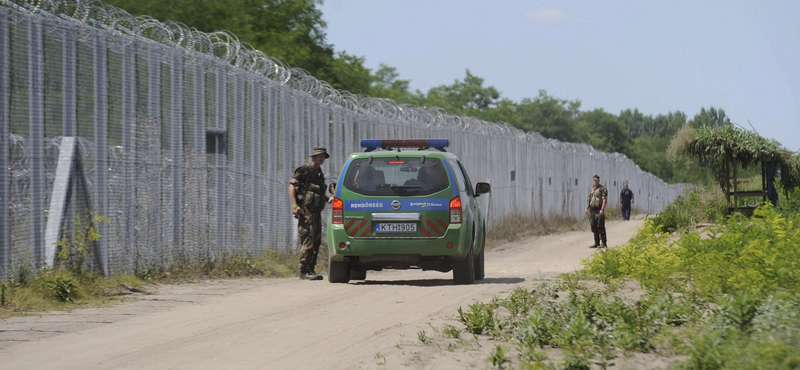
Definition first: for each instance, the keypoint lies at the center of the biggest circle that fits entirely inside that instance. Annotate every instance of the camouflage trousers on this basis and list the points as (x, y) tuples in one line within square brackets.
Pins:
[(598, 225), (309, 228)]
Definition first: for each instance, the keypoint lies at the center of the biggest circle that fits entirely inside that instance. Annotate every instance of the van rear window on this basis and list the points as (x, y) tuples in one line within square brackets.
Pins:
[(396, 176)]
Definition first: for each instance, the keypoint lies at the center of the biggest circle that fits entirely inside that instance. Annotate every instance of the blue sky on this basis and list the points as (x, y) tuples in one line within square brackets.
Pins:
[(657, 56)]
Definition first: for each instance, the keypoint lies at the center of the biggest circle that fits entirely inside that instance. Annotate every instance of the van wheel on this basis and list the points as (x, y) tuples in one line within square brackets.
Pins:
[(480, 272), (464, 270), (338, 272)]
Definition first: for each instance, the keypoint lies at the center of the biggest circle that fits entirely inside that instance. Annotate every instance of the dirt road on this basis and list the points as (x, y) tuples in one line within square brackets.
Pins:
[(293, 324)]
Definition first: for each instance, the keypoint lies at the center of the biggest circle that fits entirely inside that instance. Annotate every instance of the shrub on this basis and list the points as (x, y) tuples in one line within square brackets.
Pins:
[(757, 255)]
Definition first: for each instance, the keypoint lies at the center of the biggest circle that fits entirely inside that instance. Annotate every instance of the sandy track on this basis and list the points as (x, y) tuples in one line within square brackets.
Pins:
[(289, 323)]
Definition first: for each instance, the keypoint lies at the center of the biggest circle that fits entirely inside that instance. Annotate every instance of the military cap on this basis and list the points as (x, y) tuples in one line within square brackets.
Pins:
[(320, 150)]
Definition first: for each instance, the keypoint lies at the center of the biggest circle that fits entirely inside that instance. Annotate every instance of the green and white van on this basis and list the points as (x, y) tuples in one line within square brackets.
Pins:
[(406, 204)]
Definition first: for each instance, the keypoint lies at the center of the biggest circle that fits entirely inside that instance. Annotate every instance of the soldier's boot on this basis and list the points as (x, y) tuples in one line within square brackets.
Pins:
[(596, 241), (604, 245), (309, 274)]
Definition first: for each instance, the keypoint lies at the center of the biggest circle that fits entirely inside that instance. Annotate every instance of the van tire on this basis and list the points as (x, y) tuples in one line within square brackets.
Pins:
[(464, 270), (338, 272), (480, 272)]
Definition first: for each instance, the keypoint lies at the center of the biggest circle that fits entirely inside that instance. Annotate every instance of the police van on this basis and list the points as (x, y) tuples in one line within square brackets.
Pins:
[(406, 204)]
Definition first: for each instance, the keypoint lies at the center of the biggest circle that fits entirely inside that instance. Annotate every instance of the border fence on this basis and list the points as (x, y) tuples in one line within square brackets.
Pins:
[(184, 142)]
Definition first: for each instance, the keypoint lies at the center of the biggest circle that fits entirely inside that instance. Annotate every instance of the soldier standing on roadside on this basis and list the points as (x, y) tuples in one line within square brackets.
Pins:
[(307, 193), (626, 199), (595, 209)]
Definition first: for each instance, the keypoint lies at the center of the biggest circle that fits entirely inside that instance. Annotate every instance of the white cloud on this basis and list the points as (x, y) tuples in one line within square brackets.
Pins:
[(550, 16)]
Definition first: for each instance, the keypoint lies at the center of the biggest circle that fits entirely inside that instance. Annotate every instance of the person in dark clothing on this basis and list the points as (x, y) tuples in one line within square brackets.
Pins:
[(626, 199)]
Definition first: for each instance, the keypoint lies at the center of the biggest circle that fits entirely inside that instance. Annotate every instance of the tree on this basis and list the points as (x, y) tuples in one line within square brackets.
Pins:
[(386, 84), (467, 97), (648, 154), (604, 131), (347, 72), (553, 118), (710, 118), (290, 30), (661, 126)]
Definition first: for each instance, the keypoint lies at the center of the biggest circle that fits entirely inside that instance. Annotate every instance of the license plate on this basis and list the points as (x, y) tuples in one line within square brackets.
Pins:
[(395, 227)]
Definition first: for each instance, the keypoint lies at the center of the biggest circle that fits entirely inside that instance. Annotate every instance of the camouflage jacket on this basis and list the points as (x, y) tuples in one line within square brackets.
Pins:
[(596, 196), (309, 188)]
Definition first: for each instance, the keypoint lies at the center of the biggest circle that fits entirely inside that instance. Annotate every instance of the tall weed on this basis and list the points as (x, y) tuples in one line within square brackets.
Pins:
[(649, 258), (699, 205), (756, 255)]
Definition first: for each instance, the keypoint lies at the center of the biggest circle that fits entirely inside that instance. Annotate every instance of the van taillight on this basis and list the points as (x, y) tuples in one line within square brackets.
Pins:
[(455, 210), (337, 216)]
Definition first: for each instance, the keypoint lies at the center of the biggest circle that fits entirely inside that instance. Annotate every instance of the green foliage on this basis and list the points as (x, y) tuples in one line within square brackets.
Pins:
[(790, 204), (63, 289), (481, 318), (452, 331), (718, 146), (499, 357), (3, 286), (661, 126), (387, 84), (757, 256), (590, 327), (292, 31), (647, 258), (604, 131), (76, 247), (697, 206), (552, 117), (423, 337), (710, 118), (468, 97)]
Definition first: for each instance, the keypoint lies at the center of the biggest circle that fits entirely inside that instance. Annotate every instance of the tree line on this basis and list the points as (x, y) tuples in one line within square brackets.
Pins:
[(294, 31)]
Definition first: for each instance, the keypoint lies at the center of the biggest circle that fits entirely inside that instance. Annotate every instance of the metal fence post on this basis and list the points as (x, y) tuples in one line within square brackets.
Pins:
[(220, 180), (68, 76), (257, 169), (100, 201), (176, 148), (5, 142), (36, 132)]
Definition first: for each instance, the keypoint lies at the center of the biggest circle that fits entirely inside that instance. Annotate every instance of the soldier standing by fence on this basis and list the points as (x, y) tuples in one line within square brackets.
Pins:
[(595, 208), (307, 192)]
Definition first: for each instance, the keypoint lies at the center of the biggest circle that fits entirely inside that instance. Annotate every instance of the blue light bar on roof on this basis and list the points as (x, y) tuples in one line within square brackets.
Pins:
[(372, 144)]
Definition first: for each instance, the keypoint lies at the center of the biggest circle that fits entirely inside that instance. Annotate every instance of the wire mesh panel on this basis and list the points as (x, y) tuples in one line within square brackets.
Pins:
[(187, 141), (5, 143)]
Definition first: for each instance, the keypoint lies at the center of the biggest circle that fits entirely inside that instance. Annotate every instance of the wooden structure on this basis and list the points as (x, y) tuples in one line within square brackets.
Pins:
[(726, 149), (733, 195)]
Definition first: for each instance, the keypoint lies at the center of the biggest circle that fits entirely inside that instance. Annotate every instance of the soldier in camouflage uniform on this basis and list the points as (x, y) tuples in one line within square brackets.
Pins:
[(307, 192), (595, 209)]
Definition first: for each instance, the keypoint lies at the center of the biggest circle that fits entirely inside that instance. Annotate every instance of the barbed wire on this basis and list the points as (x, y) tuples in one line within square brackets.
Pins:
[(225, 46)]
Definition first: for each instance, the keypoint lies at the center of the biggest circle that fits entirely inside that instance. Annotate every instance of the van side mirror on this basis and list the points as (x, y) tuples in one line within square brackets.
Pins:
[(482, 188), (332, 187)]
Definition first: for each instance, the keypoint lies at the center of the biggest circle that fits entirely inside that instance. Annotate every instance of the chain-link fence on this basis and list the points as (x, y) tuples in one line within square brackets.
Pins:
[(185, 141)]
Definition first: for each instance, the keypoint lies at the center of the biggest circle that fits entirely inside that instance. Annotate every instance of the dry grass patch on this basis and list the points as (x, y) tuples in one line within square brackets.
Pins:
[(518, 226)]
